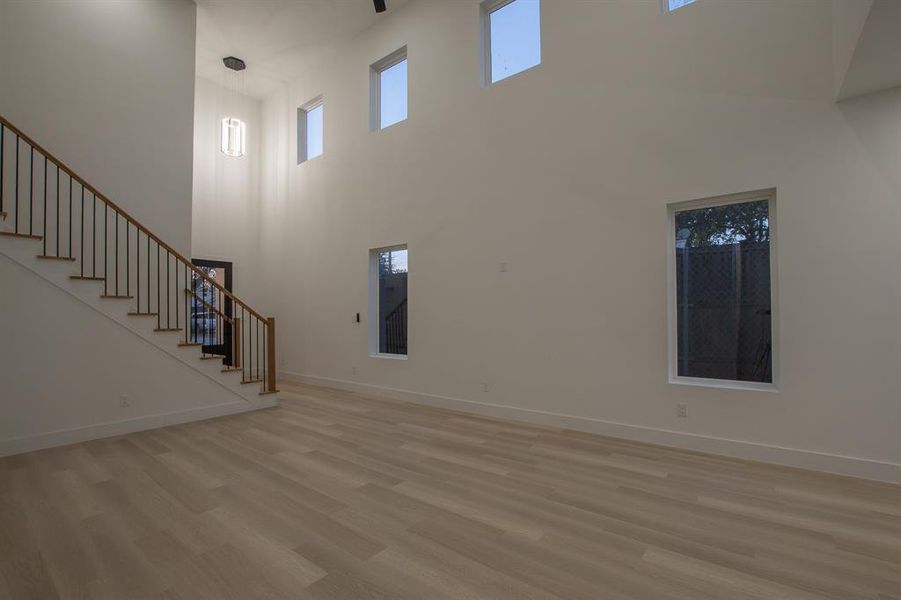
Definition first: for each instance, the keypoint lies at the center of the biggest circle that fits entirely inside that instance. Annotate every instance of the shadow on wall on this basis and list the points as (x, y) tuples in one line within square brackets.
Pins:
[(867, 116)]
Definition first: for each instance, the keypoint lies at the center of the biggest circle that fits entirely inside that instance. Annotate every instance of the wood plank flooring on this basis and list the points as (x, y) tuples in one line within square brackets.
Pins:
[(333, 495)]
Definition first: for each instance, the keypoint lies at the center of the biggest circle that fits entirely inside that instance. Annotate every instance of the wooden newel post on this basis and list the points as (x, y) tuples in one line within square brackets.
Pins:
[(270, 355)]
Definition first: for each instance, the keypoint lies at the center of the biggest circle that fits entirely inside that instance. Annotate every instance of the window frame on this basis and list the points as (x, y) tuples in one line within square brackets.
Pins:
[(374, 341), (302, 116), (375, 87), (485, 9), (769, 195), (664, 6)]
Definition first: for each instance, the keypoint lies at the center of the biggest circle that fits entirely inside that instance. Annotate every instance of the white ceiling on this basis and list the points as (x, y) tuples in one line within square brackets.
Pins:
[(276, 38)]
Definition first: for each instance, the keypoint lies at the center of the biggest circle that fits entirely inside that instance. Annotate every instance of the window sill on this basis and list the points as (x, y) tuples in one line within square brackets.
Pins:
[(726, 384), (387, 127), (388, 356), (489, 83)]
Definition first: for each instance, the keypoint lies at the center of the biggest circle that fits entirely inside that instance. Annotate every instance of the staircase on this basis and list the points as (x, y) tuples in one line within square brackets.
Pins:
[(46, 205)]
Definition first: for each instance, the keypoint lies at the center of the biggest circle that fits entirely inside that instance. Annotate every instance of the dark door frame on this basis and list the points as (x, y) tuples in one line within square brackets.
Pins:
[(225, 348)]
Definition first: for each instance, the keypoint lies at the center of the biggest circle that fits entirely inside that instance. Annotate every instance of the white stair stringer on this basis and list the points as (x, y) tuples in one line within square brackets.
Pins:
[(208, 392)]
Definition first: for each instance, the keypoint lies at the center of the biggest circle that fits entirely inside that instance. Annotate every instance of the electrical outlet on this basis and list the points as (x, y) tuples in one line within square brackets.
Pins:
[(124, 402), (682, 410), (486, 387)]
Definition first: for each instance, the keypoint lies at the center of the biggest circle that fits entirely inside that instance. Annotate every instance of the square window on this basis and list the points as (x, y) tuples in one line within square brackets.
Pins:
[(721, 299), (388, 301), (671, 5), (309, 130), (388, 94), (511, 38)]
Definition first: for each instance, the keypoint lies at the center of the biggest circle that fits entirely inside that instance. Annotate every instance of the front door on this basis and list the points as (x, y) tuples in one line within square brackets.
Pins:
[(211, 310)]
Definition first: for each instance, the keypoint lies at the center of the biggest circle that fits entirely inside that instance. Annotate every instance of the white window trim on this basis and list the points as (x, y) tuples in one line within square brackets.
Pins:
[(672, 334), (375, 87), (374, 302), (664, 6), (485, 9), (302, 113)]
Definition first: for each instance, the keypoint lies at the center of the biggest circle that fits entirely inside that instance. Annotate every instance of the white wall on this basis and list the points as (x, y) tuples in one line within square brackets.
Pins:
[(564, 172), (108, 87), (68, 358), (227, 189)]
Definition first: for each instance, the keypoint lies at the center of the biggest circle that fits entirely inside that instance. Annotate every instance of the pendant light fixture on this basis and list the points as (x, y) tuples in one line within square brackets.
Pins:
[(234, 130)]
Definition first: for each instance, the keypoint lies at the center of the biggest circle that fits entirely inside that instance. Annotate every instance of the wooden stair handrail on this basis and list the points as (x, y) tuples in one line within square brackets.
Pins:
[(126, 216), (208, 306), (256, 366)]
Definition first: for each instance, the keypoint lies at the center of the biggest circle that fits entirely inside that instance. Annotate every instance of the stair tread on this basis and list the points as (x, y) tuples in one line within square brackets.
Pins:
[(232, 370), (188, 344), (116, 297), (48, 257), (243, 381), (164, 329), (86, 278), (143, 314), (30, 236)]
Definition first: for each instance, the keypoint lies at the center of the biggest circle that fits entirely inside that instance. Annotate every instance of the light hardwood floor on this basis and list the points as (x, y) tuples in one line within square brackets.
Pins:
[(334, 495)]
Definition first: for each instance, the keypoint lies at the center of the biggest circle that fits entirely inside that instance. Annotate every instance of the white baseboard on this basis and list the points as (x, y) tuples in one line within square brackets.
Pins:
[(791, 457), (65, 437)]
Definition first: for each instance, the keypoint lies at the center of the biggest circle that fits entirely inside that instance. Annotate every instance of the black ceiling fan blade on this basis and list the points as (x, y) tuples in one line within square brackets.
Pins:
[(379, 5)]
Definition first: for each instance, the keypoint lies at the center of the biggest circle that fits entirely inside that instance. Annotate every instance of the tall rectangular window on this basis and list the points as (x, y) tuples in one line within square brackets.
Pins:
[(309, 130), (388, 93), (388, 301), (511, 38), (721, 293)]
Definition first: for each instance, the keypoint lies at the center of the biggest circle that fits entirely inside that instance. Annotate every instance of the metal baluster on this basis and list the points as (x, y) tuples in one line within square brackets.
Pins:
[(2, 162), (45, 206), (93, 234), (138, 267), (57, 211), (187, 313), (127, 260), (81, 231), (116, 216), (17, 185), (70, 217), (168, 281), (264, 359), (203, 322), (148, 273), (176, 295), (191, 308), (158, 303), (191, 305), (105, 248), (31, 192)]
